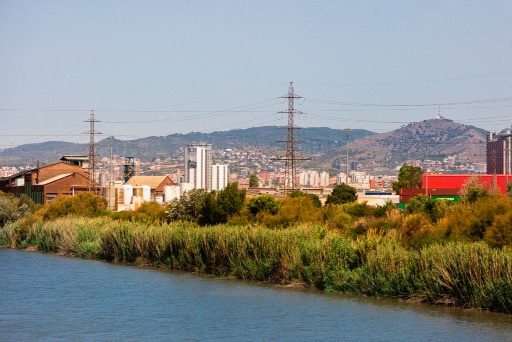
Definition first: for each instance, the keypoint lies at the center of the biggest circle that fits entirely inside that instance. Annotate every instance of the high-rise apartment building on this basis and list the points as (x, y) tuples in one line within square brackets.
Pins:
[(220, 174), (499, 152), (198, 163)]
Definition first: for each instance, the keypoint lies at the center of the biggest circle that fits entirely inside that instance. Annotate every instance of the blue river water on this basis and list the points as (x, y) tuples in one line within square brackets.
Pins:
[(45, 297)]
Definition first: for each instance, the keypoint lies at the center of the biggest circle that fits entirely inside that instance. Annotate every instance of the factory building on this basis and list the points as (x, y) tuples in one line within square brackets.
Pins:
[(44, 184)]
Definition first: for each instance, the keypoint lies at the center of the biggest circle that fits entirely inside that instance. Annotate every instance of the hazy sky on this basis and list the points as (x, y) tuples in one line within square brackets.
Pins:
[(162, 67)]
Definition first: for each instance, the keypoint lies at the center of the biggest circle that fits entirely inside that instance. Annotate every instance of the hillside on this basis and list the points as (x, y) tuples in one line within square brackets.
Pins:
[(325, 146), (315, 141), (442, 137)]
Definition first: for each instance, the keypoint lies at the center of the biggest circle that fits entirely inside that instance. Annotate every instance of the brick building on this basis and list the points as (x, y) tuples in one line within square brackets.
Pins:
[(44, 184)]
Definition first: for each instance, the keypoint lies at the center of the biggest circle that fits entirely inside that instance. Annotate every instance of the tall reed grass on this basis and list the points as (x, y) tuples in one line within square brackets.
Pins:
[(462, 274)]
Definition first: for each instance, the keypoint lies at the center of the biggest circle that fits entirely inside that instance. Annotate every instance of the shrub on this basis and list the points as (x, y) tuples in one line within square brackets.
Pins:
[(434, 208), (84, 204), (292, 210), (358, 209), (334, 217), (415, 225), (263, 203), (148, 212), (499, 234), (13, 208), (313, 197)]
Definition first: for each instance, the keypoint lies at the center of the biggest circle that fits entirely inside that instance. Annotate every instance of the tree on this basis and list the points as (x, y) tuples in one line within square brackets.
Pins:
[(341, 194), (408, 177), (230, 199), (188, 207), (217, 208), (211, 212), (254, 181)]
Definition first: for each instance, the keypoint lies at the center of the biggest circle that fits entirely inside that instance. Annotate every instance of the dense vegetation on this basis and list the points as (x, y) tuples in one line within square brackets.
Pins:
[(435, 251)]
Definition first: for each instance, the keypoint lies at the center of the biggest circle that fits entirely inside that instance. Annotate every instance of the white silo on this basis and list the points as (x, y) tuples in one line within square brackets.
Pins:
[(146, 193), (184, 187), (159, 199), (171, 192), (128, 193), (103, 179)]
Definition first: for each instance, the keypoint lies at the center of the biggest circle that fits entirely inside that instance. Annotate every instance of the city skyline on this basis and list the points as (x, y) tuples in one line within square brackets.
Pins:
[(179, 67)]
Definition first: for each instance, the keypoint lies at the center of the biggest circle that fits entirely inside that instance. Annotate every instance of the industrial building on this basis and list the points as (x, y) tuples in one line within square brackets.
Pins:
[(44, 184)]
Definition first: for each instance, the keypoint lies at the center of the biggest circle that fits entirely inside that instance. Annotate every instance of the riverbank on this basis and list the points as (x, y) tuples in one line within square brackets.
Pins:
[(469, 275)]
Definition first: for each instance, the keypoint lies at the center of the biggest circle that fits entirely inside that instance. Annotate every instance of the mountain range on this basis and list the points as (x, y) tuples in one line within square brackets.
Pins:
[(433, 139)]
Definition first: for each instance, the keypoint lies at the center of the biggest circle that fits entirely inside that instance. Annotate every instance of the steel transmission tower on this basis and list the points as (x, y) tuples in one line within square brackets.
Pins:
[(92, 150), (291, 156)]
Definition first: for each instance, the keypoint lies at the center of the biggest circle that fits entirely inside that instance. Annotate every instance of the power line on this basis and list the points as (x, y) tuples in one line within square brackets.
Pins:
[(502, 99), (412, 82)]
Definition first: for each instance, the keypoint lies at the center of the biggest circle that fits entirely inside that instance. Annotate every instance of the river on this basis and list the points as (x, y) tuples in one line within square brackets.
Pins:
[(45, 297)]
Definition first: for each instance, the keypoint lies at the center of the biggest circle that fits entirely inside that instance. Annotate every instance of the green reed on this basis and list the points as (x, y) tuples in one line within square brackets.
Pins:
[(460, 274)]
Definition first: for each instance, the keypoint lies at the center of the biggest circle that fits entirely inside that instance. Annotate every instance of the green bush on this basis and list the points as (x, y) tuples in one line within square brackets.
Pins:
[(84, 204)]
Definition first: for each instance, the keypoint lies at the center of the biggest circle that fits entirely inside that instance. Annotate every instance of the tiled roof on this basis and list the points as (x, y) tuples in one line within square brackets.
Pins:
[(152, 181), (54, 179)]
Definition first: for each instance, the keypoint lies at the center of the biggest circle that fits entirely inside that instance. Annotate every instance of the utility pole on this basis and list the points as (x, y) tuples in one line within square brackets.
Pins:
[(110, 173), (92, 150), (426, 166), (290, 157), (508, 159), (347, 131)]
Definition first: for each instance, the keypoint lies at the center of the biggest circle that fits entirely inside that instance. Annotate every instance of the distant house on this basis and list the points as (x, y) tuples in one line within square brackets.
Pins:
[(44, 184)]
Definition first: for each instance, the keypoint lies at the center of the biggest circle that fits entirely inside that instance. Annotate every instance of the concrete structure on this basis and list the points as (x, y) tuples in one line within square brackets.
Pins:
[(220, 175), (198, 162)]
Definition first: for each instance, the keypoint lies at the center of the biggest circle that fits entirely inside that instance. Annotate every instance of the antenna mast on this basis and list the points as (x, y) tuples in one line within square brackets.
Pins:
[(291, 157)]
